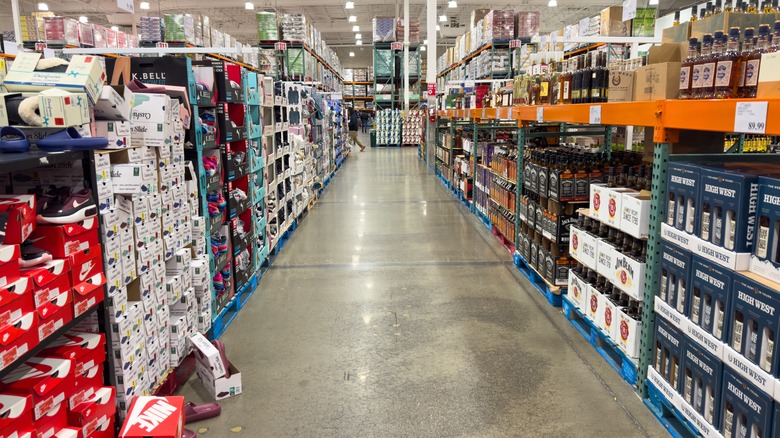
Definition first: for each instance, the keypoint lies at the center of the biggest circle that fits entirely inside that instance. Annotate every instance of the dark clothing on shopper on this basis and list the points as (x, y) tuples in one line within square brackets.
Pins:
[(353, 122)]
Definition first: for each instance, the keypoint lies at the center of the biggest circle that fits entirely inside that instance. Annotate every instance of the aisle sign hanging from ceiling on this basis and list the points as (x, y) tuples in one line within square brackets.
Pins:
[(126, 5)]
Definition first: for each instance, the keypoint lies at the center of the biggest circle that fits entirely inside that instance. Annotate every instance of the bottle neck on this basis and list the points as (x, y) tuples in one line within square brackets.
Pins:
[(733, 45)]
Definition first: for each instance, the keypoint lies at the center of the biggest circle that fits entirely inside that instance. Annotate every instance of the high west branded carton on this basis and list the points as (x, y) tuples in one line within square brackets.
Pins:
[(668, 353), (682, 194), (745, 410), (710, 297), (674, 279), (765, 259), (702, 382)]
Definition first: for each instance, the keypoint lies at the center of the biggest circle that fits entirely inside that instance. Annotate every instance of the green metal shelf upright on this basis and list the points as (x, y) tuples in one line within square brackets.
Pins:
[(388, 72)]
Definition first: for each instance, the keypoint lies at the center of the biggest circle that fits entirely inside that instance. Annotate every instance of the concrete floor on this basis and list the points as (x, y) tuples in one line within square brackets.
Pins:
[(393, 312)]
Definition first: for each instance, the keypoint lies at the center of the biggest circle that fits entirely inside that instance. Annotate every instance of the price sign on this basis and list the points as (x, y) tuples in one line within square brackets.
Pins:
[(161, 45), (514, 44), (553, 40), (280, 47), (540, 114), (126, 5), (595, 115), (543, 43), (40, 47), (750, 117), (431, 89), (397, 45), (629, 10)]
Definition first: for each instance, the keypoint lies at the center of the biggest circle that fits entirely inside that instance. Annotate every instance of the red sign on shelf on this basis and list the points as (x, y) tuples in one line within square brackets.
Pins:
[(280, 47), (161, 45), (40, 47), (432, 89), (515, 44), (397, 45)]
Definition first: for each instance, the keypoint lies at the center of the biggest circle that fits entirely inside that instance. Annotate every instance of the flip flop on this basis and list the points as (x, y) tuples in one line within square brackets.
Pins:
[(70, 139), (203, 411), (220, 346), (186, 433), (13, 140), (137, 86)]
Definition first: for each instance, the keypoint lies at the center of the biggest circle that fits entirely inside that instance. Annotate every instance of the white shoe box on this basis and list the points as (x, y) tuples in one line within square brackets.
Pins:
[(208, 355), (220, 387)]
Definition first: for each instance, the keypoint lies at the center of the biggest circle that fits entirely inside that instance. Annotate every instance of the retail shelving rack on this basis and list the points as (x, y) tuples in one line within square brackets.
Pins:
[(671, 121), (278, 170), (296, 61), (389, 76)]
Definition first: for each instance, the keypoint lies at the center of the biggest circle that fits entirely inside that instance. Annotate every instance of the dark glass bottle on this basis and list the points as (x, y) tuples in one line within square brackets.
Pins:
[(718, 7), (676, 19), (586, 78), (566, 82), (576, 90), (686, 82), (728, 68)]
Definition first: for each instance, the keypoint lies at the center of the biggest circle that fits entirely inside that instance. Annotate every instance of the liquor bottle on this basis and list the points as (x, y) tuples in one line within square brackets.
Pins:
[(676, 19), (697, 77), (703, 13), (596, 86), (662, 293), (731, 224), (747, 50), (658, 359), (566, 83), (728, 68), (706, 219), (686, 82), (604, 78), (763, 237), (544, 87), (752, 337), (709, 8), (766, 358), (752, 7), (586, 78), (696, 305), (736, 339), (709, 69), (727, 7), (775, 8), (718, 7), (576, 82), (681, 295), (728, 419), (694, 15), (766, 8), (698, 397), (717, 321), (707, 313)]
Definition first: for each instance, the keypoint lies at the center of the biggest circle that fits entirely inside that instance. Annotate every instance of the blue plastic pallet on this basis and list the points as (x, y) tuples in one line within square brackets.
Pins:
[(229, 313), (614, 356), (671, 418), (484, 219), (538, 281)]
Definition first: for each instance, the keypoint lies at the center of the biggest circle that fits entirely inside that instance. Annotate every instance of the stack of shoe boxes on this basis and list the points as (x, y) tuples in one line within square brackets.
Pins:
[(300, 147), (719, 293), (253, 256), (280, 186)]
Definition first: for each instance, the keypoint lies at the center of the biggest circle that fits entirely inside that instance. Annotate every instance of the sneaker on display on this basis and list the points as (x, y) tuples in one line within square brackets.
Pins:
[(75, 208)]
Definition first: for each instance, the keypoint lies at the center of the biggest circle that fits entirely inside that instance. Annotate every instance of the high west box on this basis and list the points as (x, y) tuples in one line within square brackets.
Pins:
[(668, 353), (753, 324), (702, 382), (674, 279), (683, 192), (710, 297), (765, 260), (745, 410)]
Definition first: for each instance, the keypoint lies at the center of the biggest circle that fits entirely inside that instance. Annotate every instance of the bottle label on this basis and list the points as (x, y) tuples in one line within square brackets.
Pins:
[(723, 74), (575, 94), (751, 72), (567, 189), (566, 89), (685, 77), (708, 75), (544, 89), (595, 92), (696, 76)]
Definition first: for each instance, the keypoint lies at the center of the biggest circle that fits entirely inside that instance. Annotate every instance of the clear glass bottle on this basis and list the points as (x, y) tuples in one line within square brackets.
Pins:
[(694, 15), (676, 19), (727, 7), (708, 73), (686, 82), (697, 79), (728, 68), (708, 10), (718, 7), (747, 49), (752, 7)]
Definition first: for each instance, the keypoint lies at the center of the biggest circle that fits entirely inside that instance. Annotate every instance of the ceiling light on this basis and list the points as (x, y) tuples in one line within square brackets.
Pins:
[(358, 43), (43, 7), (356, 28), (442, 18), (425, 42), (351, 54), (349, 5), (115, 28), (352, 19), (552, 3), (438, 28), (358, 36), (83, 19), (422, 48), (249, 6), (144, 5), (653, 2), (452, 4)]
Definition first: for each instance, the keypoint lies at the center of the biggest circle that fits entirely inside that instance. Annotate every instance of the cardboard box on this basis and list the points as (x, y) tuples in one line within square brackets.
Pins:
[(95, 411), (208, 355), (621, 86), (9, 264), (220, 387), (710, 297), (683, 184), (53, 315), (151, 120), (17, 415), (18, 338), (612, 23), (670, 52), (47, 380), (726, 218), (61, 109), (769, 76), (629, 330), (745, 407), (65, 240), (702, 382), (657, 81), (83, 75), (668, 353), (20, 222), (635, 220), (52, 421), (583, 246), (161, 417), (764, 261), (115, 103), (676, 34), (723, 22)]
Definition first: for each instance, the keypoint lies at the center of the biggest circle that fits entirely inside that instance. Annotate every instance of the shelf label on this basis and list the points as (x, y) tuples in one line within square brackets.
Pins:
[(750, 117), (514, 44), (540, 114), (629, 10), (280, 47), (397, 46), (40, 47), (595, 115), (543, 43), (161, 45), (432, 89)]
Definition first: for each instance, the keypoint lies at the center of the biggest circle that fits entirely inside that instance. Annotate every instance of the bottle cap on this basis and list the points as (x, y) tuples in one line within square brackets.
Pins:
[(734, 32), (707, 39), (777, 27), (749, 33), (718, 36)]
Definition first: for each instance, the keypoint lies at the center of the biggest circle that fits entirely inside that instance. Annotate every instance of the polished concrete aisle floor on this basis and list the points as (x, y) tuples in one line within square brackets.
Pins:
[(392, 312)]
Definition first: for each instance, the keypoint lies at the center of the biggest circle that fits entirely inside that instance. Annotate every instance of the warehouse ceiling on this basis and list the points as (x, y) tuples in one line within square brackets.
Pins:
[(328, 16)]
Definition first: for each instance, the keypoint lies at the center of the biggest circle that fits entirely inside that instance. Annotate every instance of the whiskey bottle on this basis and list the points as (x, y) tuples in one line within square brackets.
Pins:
[(663, 291), (718, 7), (688, 386), (717, 321), (685, 69), (706, 318), (670, 210), (727, 7), (697, 76), (763, 237), (676, 18), (696, 306), (752, 7), (694, 15), (705, 221), (586, 79), (717, 227), (708, 10), (731, 224), (728, 68), (728, 419), (736, 335), (709, 69), (752, 337), (747, 50), (769, 349), (566, 83), (681, 295), (576, 82)]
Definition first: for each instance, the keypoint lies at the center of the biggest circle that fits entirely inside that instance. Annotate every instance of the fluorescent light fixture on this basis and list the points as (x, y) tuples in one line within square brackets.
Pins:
[(552, 3), (452, 4), (83, 19), (358, 43), (425, 42), (144, 5), (442, 18), (351, 54), (358, 36), (43, 7), (349, 5), (352, 19), (115, 28), (356, 28), (249, 6), (422, 48), (438, 28), (653, 2)]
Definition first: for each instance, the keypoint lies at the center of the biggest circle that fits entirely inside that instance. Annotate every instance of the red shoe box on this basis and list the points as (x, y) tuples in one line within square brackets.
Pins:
[(50, 280), (49, 381), (161, 417), (16, 299), (18, 338), (9, 264), (85, 385), (85, 264), (16, 415), (104, 429), (21, 217), (65, 240), (93, 413), (68, 432), (53, 315), (51, 422), (86, 350), (88, 294)]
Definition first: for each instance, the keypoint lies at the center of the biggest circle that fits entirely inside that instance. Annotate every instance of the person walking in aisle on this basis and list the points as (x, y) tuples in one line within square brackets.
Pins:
[(353, 129), (363, 121)]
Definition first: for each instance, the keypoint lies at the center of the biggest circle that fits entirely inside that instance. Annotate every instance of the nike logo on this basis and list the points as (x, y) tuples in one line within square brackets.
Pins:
[(85, 269)]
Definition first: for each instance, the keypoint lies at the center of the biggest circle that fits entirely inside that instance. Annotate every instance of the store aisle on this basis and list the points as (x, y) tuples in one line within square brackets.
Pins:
[(393, 312)]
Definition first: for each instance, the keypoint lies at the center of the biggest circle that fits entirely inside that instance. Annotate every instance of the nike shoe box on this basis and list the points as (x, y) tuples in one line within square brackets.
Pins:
[(88, 294), (52, 421), (85, 264), (220, 387), (16, 299), (16, 415), (49, 381), (53, 315), (95, 411), (746, 410), (64, 240), (86, 350), (18, 337), (161, 417), (85, 384), (9, 264), (50, 280), (20, 219)]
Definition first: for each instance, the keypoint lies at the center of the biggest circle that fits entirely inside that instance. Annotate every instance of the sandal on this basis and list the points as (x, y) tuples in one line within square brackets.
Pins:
[(203, 411), (13, 140), (70, 139)]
